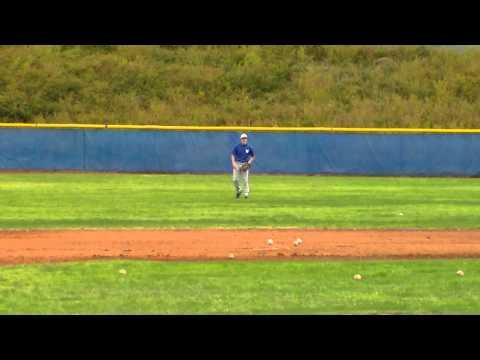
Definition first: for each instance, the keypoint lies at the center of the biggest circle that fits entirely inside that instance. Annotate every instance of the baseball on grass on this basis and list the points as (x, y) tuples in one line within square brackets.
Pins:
[(357, 277), (460, 273), (122, 271), (270, 242)]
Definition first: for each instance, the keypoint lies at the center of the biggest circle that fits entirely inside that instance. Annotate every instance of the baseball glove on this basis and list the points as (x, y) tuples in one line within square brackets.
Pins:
[(245, 167)]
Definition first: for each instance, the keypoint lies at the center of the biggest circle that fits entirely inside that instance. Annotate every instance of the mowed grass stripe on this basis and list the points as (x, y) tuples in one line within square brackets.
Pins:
[(61, 200), (302, 287)]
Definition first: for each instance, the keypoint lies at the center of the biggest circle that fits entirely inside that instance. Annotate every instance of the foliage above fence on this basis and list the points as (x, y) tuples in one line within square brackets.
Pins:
[(326, 86)]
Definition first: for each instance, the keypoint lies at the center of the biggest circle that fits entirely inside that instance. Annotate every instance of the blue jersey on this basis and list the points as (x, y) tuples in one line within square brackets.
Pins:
[(242, 153)]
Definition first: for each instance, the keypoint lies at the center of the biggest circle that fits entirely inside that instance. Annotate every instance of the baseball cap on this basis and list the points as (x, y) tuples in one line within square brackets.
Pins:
[(243, 136)]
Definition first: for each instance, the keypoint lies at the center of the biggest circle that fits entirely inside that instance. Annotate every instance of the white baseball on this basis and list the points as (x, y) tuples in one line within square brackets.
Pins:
[(270, 242), (357, 277), (460, 273), (122, 271), (231, 256)]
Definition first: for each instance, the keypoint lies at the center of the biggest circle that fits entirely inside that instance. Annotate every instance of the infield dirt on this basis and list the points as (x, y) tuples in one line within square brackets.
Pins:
[(51, 246)]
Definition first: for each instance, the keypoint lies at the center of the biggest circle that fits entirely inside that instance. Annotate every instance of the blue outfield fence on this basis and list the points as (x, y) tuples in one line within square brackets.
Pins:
[(208, 152)]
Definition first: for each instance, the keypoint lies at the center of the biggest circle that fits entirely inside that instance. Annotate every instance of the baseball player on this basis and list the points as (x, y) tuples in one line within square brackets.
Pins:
[(242, 157)]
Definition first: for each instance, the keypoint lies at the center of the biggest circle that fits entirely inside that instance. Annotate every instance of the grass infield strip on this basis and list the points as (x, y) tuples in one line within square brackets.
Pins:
[(75, 201), (301, 287)]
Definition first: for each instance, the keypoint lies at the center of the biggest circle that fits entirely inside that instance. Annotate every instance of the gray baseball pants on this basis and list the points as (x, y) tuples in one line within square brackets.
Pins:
[(241, 178)]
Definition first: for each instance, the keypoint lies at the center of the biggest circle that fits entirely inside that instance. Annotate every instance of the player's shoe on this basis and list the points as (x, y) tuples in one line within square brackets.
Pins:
[(246, 196), (238, 195)]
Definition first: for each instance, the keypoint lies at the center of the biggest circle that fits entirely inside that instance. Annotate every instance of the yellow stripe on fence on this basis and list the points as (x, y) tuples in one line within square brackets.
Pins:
[(55, 126), (243, 128)]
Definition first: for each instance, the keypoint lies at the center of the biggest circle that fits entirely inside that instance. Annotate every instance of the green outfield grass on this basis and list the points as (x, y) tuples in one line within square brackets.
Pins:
[(59, 200), (302, 287)]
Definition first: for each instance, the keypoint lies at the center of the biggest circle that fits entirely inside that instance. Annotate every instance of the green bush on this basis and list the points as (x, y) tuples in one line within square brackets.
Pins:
[(312, 85)]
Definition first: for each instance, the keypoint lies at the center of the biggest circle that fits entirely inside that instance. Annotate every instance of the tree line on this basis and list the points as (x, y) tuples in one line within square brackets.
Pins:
[(311, 85)]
